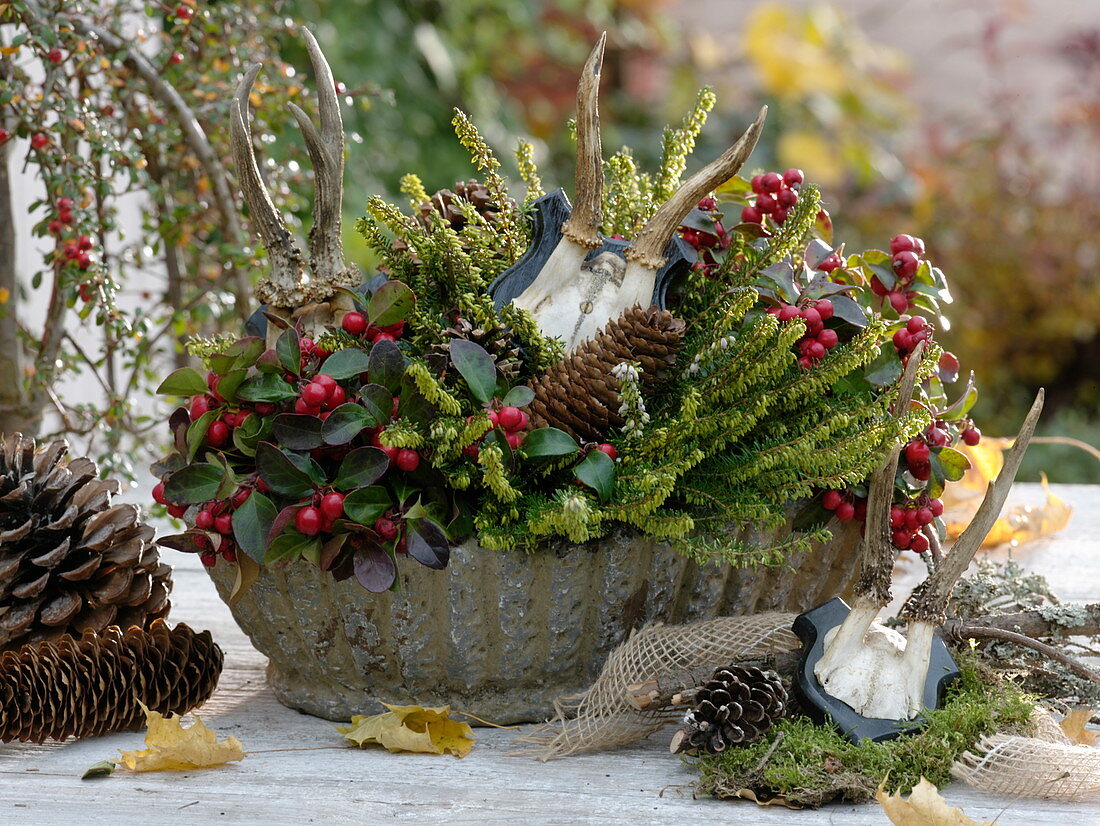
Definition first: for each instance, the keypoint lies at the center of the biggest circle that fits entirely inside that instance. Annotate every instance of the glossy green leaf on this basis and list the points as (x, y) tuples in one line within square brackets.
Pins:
[(367, 505), (230, 383), (519, 396), (266, 387), (297, 431), (392, 302), (292, 545), (345, 423), (362, 467), (378, 402), (346, 363), (597, 471), (280, 473), (251, 523), (289, 349), (183, 382), (477, 367), (386, 365), (193, 484), (954, 463), (549, 441), (196, 432)]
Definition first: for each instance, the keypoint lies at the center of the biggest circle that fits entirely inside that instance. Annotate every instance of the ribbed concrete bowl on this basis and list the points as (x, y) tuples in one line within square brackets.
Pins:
[(497, 634)]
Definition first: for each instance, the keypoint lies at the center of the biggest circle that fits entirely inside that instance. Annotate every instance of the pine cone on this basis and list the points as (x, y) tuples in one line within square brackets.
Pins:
[(498, 340), (444, 203), (580, 396), (69, 560), (736, 706), (95, 685)]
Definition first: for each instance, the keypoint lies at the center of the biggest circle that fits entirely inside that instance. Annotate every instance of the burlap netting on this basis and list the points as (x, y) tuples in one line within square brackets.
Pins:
[(1044, 765)]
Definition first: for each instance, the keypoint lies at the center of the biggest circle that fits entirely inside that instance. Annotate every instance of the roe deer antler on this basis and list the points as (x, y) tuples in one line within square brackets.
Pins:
[(577, 291), (289, 290)]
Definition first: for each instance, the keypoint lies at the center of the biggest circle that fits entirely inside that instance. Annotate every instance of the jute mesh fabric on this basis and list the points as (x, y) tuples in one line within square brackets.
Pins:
[(1044, 765), (603, 717)]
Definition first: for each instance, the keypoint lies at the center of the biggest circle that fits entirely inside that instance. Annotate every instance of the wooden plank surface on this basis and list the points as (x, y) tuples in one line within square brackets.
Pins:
[(297, 771)]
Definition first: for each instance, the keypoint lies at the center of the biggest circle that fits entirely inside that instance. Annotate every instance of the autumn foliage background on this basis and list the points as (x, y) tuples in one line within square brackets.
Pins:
[(929, 123)]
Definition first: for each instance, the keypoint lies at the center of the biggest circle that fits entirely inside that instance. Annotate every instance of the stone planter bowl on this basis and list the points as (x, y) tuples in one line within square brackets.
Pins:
[(500, 634)]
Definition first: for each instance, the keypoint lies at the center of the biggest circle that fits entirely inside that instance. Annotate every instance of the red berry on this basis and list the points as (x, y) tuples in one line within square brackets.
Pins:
[(924, 516), (903, 340), (55, 227), (332, 505), (788, 312), (354, 323), (919, 543), (184, 13), (938, 437), (204, 520), (861, 510), (158, 494), (709, 203), (385, 528), (917, 453), (972, 436), (787, 198), (828, 339), (4, 135), (65, 204), (326, 381), (264, 408), (308, 521), (811, 316), (83, 260), (916, 324), (832, 500), (780, 215), (224, 524), (912, 520), (805, 362), (70, 252), (816, 350), (766, 204), (39, 140), (902, 243), (336, 397), (314, 394), (510, 418), (177, 511), (218, 434), (831, 263), (55, 56), (240, 497), (176, 59), (921, 472), (906, 263), (878, 288), (793, 177), (771, 182), (514, 439), (899, 302), (407, 460), (609, 450), (897, 517), (199, 406), (84, 243), (902, 539), (756, 184), (824, 308), (208, 558), (936, 506), (845, 511), (304, 407), (751, 215), (471, 451)]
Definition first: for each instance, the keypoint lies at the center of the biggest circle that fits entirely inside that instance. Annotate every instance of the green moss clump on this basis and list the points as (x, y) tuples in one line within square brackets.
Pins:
[(812, 764)]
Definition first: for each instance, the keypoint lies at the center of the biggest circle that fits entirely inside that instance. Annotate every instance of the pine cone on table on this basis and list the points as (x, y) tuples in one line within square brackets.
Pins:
[(96, 684), (580, 396), (69, 560), (735, 707)]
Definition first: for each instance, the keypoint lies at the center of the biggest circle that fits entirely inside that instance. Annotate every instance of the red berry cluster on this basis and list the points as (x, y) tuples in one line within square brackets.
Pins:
[(819, 339), (775, 195), (184, 13), (706, 244), (845, 505), (907, 520), (71, 250), (319, 396), (907, 252), (511, 420), (214, 517), (357, 325), (916, 330)]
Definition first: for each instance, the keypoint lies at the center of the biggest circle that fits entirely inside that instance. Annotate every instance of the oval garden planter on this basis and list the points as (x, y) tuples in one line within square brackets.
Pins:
[(500, 634)]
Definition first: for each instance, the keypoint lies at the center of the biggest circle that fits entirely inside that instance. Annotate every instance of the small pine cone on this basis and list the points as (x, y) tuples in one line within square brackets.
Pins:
[(580, 396), (734, 707), (96, 684), (69, 559), (498, 340), (444, 203)]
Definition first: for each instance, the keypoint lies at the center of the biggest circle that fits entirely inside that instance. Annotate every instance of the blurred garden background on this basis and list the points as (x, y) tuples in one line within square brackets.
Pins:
[(974, 125)]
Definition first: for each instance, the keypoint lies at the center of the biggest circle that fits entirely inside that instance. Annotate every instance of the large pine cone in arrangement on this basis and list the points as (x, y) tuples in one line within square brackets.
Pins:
[(497, 339), (96, 684), (580, 396), (444, 202), (734, 707), (69, 559)]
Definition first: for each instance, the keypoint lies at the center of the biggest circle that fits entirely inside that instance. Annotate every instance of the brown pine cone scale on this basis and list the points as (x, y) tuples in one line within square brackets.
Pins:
[(736, 706), (96, 684)]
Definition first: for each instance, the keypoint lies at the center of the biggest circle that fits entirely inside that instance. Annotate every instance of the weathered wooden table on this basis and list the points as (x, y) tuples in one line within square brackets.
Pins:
[(298, 772)]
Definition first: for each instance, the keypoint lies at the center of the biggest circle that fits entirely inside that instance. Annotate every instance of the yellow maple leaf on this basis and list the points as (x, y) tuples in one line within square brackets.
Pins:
[(925, 807), (171, 746), (411, 728), (1073, 726)]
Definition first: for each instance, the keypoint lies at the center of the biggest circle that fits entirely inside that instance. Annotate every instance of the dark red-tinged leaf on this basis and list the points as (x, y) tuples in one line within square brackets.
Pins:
[(221, 363), (386, 365), (183, 382), (953, 462), (330, 550), (178, 423), (297, 431), (948, 367), (519, 396), (823, 225), (816, 252), (196, 433), (597, 471), (475, 365), (362, 467), (193, 484), (378, 402), (268, 362), (289, 349), (753, 231), (374, 569), (266, 387), (848, 310), (346, 363), (281, 474), (781, 275), (428, 544), (169, 464), (367, 505), (309, 467), (549, 441), (963, 404), (292, 545), (392, 302), (246, 350), (250, 433), (252, 523), (938, 478), (345, 423), (697, 219), (281, 521), (885, 369)]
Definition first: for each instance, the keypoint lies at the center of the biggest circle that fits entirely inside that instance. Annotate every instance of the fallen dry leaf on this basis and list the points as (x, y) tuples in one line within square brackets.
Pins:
[(1074, 727), (925, 807), (411, 728), (171, 746)]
